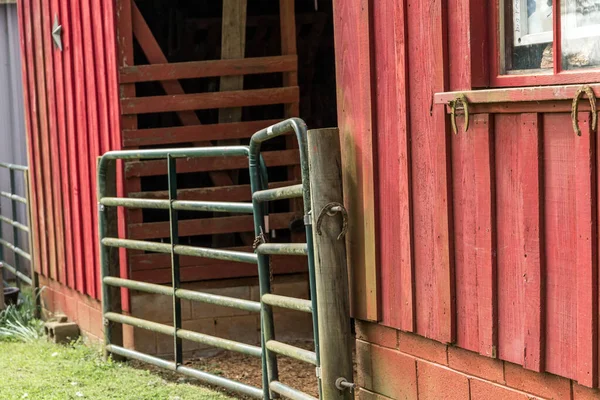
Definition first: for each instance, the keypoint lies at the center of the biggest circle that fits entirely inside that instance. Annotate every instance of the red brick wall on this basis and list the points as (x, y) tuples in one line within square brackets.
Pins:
[(80, 308), (398, 365)]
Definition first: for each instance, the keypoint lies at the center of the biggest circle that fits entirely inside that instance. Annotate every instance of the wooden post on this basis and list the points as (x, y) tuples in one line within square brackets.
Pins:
[(1, 287), (33, 250), (330, 264)]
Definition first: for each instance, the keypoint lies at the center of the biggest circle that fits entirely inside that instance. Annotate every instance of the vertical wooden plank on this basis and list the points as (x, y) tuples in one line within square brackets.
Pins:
[(36, 223), (509, 223), (353, 75), (430, 152), (93, 129), (62, 112), (233, 46), (53, 144), (112, 68), (586, 268), (287, 27), (468, 54), (71, 150), (99, 51), (393, 165), (474, 246), (530, 171), (42, 115), (485, 234), (125, 58), (81, 117)]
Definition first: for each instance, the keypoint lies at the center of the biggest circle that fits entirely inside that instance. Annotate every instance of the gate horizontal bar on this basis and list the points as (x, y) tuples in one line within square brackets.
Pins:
[(16, 224), (282, 249), (213, 206), (241, 304), (222, 343), (212, 151), (289, 392), (136, 285), (287, 302), (214, 341), (292, 351), (218, 254), (14, 197), (20, 275), (16, 249), (200, 375), (286, 192)]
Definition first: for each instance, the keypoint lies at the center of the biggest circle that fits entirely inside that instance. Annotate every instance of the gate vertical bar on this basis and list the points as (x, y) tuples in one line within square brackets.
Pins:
[(109, 256), (175, 277), (330, 264), (15, 230), (269, 360)]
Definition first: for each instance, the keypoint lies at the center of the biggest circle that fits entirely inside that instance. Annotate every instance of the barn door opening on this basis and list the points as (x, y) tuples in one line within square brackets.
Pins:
[(211, 73)]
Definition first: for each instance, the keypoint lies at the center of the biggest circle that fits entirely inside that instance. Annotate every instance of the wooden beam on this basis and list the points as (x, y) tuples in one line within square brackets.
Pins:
[(159, 167), (207, 226), (208, 68), (538, 93), (330, 262), (193, 133), (233, 46), (204, 101)]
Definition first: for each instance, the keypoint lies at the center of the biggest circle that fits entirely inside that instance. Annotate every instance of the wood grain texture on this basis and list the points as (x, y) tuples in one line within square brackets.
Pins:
[(587, 253), (393, 165), (38, 224), (519, 262), (355, 119), (474, 242), (68, 267), (42, 116), (430, 152), (204, 101), (208, 68), (530, 143)]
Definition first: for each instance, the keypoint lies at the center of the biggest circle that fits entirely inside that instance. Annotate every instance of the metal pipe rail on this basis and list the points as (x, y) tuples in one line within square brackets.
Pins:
[(17, 228), (260, 195)]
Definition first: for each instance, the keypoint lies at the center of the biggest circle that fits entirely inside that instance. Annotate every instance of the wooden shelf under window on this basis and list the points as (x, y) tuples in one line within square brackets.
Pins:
[(518, 100)]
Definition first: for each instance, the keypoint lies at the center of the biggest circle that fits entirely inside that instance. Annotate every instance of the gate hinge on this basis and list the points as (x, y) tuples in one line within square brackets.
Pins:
[(308, 218), (318, 372), (100, 207)]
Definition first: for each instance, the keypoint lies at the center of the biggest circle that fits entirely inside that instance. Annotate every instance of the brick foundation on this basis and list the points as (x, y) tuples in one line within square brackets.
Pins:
[(398, 365), (79, 308), (204, 318)]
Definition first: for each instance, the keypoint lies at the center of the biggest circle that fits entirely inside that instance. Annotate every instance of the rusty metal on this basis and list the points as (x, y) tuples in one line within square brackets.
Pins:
[(331, 209), (589, 92), (462, 100)]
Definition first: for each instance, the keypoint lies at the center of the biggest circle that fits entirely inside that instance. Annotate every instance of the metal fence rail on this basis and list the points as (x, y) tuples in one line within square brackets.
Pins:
[(19, 253), (270, 348)]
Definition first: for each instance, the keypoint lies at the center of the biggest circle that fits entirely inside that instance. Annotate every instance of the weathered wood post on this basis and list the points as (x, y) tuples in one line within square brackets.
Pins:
[(329, 221), (1, 287)]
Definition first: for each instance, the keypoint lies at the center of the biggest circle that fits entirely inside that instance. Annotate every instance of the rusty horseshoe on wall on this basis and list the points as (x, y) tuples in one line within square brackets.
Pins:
[(460, 99), (575, 108)]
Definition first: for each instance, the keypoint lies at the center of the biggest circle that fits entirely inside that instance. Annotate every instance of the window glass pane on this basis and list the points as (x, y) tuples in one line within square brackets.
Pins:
[(528, 36), (580, 20)]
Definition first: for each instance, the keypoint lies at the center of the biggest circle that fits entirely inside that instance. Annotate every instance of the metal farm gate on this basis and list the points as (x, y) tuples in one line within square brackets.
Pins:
[(341, 371)]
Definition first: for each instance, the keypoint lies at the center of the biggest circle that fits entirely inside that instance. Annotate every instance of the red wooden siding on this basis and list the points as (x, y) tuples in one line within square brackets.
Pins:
[(70, 123), (488, 238)]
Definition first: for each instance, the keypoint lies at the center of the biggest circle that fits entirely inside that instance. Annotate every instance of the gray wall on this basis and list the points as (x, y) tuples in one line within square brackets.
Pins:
[(13, 142)]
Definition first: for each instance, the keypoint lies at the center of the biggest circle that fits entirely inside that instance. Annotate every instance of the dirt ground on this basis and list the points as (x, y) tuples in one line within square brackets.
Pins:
[(247, 369)]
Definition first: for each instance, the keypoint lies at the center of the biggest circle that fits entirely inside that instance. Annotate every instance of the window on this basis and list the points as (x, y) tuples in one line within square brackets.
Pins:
[(548, 41)]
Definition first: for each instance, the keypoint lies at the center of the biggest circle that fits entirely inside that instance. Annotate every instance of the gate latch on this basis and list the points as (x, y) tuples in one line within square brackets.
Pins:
[(343, 384)]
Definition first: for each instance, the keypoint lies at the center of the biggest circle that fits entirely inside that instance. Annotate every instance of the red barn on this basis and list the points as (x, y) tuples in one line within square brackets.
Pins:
[(472, 241)]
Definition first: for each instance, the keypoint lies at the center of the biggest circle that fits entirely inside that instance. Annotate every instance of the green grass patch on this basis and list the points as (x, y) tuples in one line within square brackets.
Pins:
[(41, 370)]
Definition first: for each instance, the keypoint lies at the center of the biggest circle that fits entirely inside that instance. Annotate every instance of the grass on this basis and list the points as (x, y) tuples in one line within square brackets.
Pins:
[(41, 370), (18, 324)]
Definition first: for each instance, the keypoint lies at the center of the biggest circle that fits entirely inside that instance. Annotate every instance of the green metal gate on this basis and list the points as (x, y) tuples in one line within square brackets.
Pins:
[(270, 348)]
